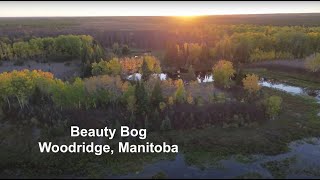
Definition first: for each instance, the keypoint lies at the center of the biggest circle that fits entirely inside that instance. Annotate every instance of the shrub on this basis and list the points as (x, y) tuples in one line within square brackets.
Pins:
[(223, 72), (284, 55), (166, 124), (273, 106), (170, 101), (251, 83), (199, 101), (219, 97), (312, 63), (190, 99), (162, 106)]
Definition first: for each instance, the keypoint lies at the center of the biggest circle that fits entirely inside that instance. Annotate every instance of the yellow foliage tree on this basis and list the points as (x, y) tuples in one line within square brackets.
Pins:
[(251, 83), (222, 72)]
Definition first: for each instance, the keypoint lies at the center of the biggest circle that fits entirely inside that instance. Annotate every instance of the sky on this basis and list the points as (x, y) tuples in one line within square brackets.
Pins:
[(151, 8)]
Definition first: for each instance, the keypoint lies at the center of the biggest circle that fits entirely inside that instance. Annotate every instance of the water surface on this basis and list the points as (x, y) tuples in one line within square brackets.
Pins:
[(304, 162)]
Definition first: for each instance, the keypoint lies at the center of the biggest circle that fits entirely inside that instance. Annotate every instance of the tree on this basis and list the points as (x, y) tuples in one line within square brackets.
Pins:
[(273, 106), (76, 93), (156, 95), (112, 67), (141, 97), (172, 55), (191, 76), (116, 49), (99, 68), (125, 50), (251, 83), (222, 72), (180, 94), (312, 62), (130, 91), (131, 106), (20, 85), (145, 70)]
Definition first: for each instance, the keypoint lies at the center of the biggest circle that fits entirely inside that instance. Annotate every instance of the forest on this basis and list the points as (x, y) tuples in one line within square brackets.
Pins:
[(242, 44), (198, 47)]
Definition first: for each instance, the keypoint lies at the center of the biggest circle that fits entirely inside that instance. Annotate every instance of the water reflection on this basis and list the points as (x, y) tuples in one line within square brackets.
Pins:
[(205, 79), (287, 88), (163, 76), (134, 77), (137, 76), (291, 89)]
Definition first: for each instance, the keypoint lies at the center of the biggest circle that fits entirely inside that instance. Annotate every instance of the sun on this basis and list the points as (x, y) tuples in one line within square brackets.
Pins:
[(186, 18)]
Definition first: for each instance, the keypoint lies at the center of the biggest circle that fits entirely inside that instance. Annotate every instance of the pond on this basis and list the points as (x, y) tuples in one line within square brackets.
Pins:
[(302, 161), (291, 89), (137, 76), (163, 76)]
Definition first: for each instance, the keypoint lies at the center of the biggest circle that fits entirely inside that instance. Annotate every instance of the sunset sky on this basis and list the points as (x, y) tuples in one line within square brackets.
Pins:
[(141, 8)]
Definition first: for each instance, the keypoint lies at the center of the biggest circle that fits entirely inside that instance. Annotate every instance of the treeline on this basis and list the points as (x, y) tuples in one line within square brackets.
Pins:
[(155, 39), (60, 48), (150, 103), (242, 44)]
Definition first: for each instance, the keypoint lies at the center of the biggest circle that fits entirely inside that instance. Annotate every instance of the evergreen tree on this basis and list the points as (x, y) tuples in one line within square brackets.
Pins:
[(145, 70), (125, 50), (156, 95), (141, 98), (191, 76)]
